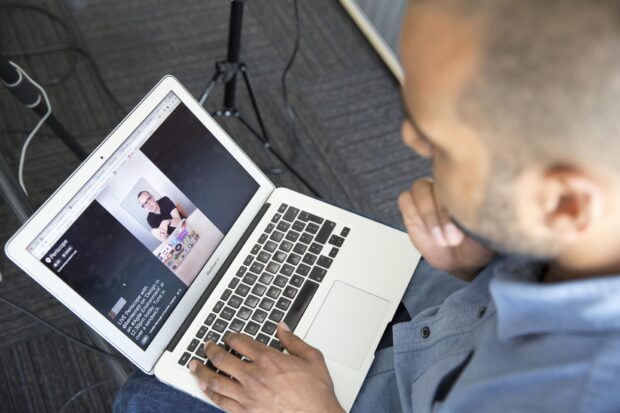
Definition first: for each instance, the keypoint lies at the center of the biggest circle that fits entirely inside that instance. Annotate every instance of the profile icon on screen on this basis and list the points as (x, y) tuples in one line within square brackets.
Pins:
[(164, 216)]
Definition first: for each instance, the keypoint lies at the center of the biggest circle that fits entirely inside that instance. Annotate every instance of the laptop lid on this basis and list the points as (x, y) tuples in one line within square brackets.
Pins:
[(136, 234)]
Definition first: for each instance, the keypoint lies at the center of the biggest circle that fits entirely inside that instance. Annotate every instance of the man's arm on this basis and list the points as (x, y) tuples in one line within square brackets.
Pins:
[(176, 218), (273, 381), (161, 232)]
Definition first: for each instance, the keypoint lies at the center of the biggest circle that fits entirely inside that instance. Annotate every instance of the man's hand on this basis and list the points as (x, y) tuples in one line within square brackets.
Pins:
[(439, 241), (272, 381), (163, 230)]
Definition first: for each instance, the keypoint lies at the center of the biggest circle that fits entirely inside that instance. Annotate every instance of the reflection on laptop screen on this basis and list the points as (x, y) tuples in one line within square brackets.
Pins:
[(135, 237)]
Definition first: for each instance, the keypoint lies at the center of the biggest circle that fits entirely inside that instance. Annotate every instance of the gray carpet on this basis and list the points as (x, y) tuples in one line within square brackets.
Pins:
[(346, 102)]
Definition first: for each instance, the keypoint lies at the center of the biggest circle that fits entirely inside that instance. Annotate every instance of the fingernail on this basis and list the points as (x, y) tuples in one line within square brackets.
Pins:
[(453, 234), (284, 326), (193, 366), (203, 385), (438, 235)]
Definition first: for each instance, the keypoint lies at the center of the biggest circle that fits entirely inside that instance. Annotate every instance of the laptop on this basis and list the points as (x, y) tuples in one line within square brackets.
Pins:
[(241, 255)]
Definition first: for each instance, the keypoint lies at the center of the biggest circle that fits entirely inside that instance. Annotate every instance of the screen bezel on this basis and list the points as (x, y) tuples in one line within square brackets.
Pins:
[(16, 246)]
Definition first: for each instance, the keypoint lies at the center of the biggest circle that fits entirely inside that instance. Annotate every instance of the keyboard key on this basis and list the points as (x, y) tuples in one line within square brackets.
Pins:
[(299, 248), (259, 316), (262, 238), (266, 304), (290, 214), (227, 313), (276, 344), (220, 325), (282, 208), (315, 218), (283, 226), (273, 267), (270, 246), (305, 238), (261, 338), (236, 325), (210, 318), (250, 278), (200, 352), (292, 236), (325, 232), (300, 304), (312, 228), (280, 281), (303, 269), (218, 306), (276, 236), (242, 290), (257, 267), (276, 218), (233, 283), (248, 260), (299, 226), (279, 256), (317, 274), (287, 270), (296, 281), (198, 360), (309, 259), (333, 252), (259, 290), (244, 313), (276, 315), (268, 328), (185, 357), (241, 271), (251, 301), (324, 261), (255, 249), (286, 246), (212, 336), (266, 278), (345, 231), (273, 292), (336, 240), (290, 292), (193, 344), (316, 248), (263, 257), (226, 294), (269, 228), (252, 328), (283, 303), (235, 301), (293, 259)]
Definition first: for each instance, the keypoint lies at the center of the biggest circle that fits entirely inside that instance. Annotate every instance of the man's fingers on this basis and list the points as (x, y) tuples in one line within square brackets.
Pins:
[(451, 233), (294, 345), (245, 345), (424, 199), (225, 361), (215, 383)]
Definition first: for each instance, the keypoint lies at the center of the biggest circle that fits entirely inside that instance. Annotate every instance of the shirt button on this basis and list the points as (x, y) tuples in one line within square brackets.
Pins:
[(425, 332), (481, 312)]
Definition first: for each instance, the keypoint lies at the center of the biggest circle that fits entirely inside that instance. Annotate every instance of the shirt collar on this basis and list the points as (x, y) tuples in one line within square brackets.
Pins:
[(527, 306)]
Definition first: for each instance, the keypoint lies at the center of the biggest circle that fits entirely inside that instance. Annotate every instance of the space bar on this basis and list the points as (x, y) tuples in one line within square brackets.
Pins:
[(300, 304)]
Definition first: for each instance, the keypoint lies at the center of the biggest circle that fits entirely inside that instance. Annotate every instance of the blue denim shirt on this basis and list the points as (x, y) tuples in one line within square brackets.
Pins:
[(502, 343)]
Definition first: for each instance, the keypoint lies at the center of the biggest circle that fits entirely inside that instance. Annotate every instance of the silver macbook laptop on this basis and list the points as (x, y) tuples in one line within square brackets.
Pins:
[(169, 235)]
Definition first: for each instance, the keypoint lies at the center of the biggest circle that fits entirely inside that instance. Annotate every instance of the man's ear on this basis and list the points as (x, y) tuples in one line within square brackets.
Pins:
[(559, 203)]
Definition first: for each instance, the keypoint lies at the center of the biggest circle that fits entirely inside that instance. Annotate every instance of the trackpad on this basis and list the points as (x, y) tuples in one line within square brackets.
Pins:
[(346, 324)]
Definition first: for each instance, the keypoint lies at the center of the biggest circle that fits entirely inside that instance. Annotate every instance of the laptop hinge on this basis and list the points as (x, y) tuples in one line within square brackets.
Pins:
[(233, 254)]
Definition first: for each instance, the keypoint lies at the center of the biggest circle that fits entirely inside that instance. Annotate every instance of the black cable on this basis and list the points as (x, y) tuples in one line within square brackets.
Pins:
[(59, 331), (81, 392), (291, 117)]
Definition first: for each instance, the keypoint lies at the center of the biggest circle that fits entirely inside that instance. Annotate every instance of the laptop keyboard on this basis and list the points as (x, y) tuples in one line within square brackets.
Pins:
[(276, 281)]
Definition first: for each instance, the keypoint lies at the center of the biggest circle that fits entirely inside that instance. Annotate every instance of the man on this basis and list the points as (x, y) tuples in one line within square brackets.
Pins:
[(163, 216), (514, 102)]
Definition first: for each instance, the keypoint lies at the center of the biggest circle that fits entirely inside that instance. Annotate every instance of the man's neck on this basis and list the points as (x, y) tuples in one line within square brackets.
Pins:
[(560, 271)]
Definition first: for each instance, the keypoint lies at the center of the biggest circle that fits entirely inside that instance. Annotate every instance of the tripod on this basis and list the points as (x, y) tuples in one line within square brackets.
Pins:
[(227, 71)]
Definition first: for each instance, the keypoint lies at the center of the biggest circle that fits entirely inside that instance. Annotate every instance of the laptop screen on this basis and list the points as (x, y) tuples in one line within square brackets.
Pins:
[(135, 237)]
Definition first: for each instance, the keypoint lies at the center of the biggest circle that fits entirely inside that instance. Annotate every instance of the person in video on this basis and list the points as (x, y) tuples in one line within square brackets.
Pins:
[(163, 216), (516, 307)]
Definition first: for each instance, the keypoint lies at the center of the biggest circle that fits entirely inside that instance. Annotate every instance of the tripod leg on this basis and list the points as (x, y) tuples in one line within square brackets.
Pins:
[(246, 79), (216, 76)]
